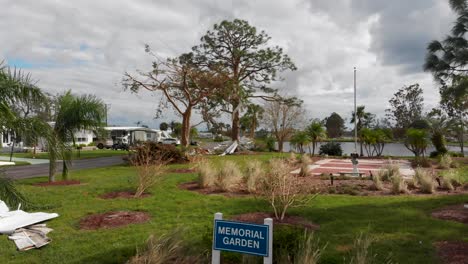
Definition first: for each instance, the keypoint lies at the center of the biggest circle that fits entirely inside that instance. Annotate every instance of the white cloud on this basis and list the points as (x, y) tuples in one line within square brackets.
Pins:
[(87, 45)]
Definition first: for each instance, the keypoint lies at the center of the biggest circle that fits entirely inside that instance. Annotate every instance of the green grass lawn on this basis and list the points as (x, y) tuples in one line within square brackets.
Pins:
[(86, 154), (401, 225)]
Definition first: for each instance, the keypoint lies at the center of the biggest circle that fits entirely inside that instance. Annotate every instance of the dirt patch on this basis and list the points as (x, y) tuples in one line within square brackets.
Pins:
[(193, 186), (58, 183), (122, 194), (292, 220), (454, 213), (453, 252), (183, 171), (113, 219)]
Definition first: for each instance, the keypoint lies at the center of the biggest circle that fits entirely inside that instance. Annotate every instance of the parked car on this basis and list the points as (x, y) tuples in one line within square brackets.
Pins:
[(120, 143), (170, 141), (104, 143)]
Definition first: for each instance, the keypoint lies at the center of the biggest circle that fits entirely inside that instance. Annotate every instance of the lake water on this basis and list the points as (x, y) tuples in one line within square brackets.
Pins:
[(390, 149)]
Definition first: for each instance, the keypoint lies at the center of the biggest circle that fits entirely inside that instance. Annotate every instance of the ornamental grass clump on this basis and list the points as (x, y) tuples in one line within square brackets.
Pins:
[(424, 179), (229, 176), (254, 171), (305, 161), (150, 169), (446, 184), (206, 174), (445, 161), (377, 184), (389, 170), (398, 185), (308, 250)]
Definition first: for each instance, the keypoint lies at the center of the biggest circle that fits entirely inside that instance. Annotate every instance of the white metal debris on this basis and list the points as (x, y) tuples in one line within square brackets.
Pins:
[(23, 227)]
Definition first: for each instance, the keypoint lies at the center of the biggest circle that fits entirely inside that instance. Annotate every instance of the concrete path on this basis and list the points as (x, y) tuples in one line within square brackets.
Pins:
[(37, 170)]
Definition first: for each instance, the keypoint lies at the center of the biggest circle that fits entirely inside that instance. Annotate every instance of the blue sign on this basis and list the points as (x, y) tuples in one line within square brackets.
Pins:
[(241, 237)]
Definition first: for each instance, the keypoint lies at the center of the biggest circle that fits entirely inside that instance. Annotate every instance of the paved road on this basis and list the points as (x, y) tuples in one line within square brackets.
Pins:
[(31, 171)]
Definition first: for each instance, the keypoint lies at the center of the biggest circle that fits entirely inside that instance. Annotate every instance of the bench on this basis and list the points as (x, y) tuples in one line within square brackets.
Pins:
[(351, 174)]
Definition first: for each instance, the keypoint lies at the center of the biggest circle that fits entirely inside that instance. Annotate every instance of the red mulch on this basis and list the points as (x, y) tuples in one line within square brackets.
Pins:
[(292, 220), (183, 171), (113, 219), (122, 194), (453, 252), (454, 213), (57, 183)]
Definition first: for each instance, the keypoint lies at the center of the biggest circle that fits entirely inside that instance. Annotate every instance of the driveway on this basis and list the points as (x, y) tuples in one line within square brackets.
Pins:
[(31, 171)]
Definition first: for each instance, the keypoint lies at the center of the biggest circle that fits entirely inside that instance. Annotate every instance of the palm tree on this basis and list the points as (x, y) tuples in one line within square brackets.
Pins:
[(16, 88), (364, 119), (316, 133), (299, 140), (254, 114), (73, 113)]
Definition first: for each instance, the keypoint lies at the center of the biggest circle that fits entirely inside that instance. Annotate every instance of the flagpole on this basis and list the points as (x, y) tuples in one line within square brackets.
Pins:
[(355, 114)]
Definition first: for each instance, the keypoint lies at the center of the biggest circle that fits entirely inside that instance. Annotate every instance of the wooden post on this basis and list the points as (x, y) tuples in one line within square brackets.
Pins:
[(269, 223), (216, 254)]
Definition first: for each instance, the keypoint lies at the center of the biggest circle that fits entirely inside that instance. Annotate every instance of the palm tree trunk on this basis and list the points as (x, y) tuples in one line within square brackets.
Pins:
[(52, 169), (65, 170)]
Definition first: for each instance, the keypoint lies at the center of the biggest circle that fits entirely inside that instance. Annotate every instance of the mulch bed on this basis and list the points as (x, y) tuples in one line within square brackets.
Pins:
[(452, 252), (291, 220), (113, 219), (183, 171), (454, 213), (122, 194), (58, 183)]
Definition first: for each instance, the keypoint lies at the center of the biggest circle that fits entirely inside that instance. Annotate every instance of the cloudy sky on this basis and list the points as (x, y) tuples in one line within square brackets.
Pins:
[(87, 45)]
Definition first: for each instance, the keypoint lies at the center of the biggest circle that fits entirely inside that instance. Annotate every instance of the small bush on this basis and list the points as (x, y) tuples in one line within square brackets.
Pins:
[(92, 144), (349, 189), (206, 174), (421, 162), (456, 154), (254, 171), (159, 152), (304, 170), (388, 171), (377, 182), (424, 180), (445, 161), (447, 184), (331, 148), (398, 185), (229, 176), (292, 157), (218, 139)]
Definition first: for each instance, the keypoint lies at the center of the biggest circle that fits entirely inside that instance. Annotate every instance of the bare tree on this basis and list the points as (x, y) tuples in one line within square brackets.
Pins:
[(183, 85), (282, 117)]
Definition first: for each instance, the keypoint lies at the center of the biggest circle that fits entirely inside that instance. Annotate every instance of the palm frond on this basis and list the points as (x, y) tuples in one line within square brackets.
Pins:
[(9, 193)]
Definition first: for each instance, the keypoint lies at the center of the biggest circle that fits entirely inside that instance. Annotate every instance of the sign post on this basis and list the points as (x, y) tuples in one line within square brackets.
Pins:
[(246, 238)]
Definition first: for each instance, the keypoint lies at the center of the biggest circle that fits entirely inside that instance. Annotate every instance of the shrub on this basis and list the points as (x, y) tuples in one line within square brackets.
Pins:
[(421, 162), (292, 157), (424, 180), (445, 161), (388, 171), (455, 154), (377, 182), (331, 148), (92, 144), (229, 176), (281, 189), (149, 171), (447, 184), (398, 185), (218, 139), (206, 174), (159, 152), (254, 171)]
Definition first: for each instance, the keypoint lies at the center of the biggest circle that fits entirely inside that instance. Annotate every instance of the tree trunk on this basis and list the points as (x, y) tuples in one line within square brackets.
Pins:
[(235, 125), (462, 134), (362, 153), (185, 135), (52, 169), (252, 129), (280, 145), (313, 148), (65, 170)]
